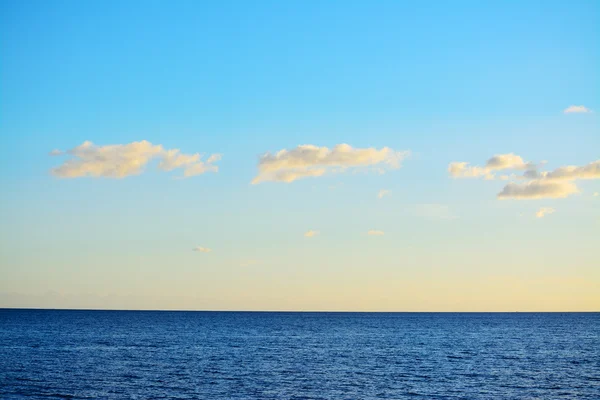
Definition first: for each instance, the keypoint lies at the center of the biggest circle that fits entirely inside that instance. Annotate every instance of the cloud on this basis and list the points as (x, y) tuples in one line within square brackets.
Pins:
[(463, 170), (553, 184), (576, 110), (312, 161), (542, 212), (572, 172), (536, 184), (496, 163), (202, 249), (538, 189), (506, 161), (373, 232), (122, 160), (311, 233), (382, 193), (56, 152)]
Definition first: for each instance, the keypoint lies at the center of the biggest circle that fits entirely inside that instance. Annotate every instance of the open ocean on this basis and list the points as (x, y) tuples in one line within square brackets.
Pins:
[(60, 354)]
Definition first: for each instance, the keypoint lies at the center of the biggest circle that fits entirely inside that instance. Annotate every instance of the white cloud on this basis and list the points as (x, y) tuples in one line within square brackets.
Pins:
[(506, 161), (313, 161), (382, 193), (542, 212), (202, 249), (538, 189), (121, 160), (553, 184), (373, 232), (537, 184), (56, 152), (576, 109), (311, 233), (496, 163), (463, 170), (572, 172)]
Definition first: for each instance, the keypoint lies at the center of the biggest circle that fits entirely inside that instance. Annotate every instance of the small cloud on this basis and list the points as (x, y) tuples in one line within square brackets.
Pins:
[(542, 212), (382, 193), (202, 249), (56, 152), (311, 233), (576, 110), (373, 232)]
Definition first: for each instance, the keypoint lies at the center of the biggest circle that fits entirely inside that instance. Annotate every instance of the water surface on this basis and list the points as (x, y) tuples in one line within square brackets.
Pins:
[(237, 355)]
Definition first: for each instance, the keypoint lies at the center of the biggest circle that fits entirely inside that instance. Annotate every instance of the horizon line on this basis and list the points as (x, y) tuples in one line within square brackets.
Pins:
[(294, 311)]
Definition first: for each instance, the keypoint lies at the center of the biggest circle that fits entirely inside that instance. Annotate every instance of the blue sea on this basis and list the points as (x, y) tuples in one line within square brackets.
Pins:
[(60, 354)]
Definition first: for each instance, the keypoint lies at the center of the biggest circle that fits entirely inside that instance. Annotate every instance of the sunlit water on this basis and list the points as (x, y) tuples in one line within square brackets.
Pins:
[(216, 355)]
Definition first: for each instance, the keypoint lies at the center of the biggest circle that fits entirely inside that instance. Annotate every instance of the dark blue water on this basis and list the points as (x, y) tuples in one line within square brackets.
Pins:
[(215, 355)]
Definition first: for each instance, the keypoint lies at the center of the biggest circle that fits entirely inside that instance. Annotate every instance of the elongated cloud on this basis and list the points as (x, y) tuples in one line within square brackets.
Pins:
[(496, 163), (464, 170), (122, 160), (311, 233), (312, 161), (538, 189), (201, 249), (374, 232), (576, 110), (572, 172), (542, 212)]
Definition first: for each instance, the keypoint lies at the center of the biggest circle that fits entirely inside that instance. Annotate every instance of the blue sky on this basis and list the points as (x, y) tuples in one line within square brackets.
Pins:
[(456, 81)]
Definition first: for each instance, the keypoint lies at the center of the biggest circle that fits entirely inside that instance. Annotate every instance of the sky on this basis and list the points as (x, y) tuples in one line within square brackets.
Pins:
[(300, 155)]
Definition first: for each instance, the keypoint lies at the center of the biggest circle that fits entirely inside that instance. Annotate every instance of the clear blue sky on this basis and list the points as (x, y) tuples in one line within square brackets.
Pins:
[(449, 81)]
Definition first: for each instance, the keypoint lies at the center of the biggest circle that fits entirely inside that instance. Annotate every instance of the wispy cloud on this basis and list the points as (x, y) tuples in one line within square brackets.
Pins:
[(311, 233), (374, 232), (313, 161), (122, 160), (201, 249), (542, 212), (576, 109), (382, 193)]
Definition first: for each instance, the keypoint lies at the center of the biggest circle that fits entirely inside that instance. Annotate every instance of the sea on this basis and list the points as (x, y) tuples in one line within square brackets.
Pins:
[(70, 354)]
